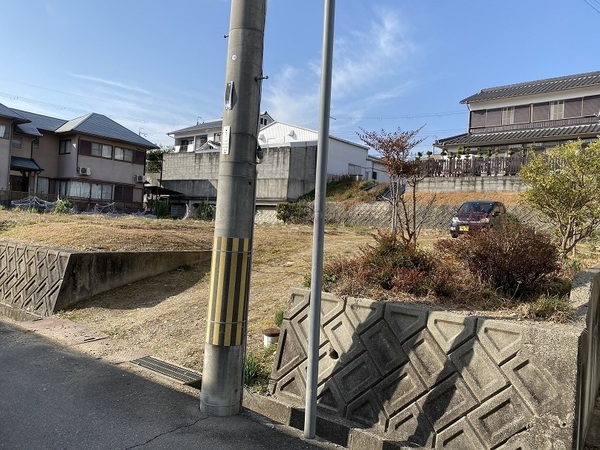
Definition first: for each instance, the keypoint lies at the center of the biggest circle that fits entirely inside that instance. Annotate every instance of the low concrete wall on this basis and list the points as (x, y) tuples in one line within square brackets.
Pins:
[(438, 379), (40, 281)]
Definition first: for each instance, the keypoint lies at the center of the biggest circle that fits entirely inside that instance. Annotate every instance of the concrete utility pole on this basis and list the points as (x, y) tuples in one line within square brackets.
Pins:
[(225, 345)]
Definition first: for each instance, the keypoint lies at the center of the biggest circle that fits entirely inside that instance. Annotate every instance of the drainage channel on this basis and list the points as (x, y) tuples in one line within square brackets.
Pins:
[(186, 376)]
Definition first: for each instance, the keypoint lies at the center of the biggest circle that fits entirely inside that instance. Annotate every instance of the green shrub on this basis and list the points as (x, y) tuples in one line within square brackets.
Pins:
[(205, 211), (63, 207), (288, 212), (161, 209), (279, 317)]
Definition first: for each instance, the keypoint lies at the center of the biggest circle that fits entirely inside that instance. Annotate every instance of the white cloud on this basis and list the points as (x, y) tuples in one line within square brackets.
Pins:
[(111, 83), (370, 69)]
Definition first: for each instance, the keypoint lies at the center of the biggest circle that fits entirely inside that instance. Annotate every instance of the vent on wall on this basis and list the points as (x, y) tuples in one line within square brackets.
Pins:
[(139, 178), (84, 170)]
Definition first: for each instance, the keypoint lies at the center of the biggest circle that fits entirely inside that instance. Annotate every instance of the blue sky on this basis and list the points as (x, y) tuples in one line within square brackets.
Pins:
[(157, 66)]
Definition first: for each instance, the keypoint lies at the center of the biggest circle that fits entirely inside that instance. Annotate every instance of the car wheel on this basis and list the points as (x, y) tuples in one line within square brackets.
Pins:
[(454, 235)]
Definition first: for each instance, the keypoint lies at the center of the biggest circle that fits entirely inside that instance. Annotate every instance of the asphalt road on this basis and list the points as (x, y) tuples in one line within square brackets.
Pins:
[(54, 398)]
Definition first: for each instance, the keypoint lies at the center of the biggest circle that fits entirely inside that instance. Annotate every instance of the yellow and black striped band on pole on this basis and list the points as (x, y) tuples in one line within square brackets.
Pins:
[(228, 296)]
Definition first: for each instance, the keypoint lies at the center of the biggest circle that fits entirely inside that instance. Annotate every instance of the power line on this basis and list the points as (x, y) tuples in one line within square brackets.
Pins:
[(591, 3)]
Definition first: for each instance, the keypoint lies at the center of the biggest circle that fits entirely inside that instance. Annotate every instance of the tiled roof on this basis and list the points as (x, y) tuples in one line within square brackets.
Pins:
[(506, 137), (12, 114), (41, 122), (101, 126), (204, 126), (24, 164), (536, 87), (28, 129)]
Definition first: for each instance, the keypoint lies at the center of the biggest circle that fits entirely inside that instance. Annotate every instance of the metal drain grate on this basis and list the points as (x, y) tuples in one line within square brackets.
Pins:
[(187, 376)]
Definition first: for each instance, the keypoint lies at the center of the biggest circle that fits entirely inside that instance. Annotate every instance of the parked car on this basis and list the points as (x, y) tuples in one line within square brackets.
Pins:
[(476, 215)]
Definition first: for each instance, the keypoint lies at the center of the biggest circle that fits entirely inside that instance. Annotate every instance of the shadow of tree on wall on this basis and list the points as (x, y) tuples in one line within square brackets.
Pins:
[(418, 377)]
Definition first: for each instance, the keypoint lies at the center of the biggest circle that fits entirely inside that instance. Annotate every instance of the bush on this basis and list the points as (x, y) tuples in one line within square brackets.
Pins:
[(161, 209), (63, 207), (205, 211), (388, 268), (289, 212), (514, 258)]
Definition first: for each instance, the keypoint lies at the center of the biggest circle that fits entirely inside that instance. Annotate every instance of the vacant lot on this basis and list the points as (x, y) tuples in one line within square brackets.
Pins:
[(166, 314)]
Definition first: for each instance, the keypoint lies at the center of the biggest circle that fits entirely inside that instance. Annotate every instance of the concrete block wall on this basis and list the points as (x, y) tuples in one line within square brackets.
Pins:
[(40, 281), (441, 379)]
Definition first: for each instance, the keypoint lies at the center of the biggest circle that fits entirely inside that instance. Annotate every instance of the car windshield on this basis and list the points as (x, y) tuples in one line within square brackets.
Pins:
[(476, 207)]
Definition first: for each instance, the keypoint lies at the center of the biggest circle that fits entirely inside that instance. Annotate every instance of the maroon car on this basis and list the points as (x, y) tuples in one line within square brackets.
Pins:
[(475, 215)]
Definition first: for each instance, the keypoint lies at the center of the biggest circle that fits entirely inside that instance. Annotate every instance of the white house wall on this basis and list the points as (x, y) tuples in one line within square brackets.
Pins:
[(342, 154)]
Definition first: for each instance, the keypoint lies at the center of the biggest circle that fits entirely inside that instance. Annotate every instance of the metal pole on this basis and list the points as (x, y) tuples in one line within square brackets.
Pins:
[(224, 350), (310, 419)]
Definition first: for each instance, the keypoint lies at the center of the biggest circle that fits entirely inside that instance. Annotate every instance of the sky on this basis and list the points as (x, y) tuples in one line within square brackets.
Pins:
[(159, 66)]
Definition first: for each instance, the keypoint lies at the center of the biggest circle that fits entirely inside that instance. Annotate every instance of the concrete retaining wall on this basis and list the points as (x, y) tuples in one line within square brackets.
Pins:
[(442, 379), (40, 281)]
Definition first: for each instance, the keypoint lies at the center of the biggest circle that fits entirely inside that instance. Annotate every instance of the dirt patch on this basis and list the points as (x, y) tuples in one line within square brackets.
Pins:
[(166, 315)]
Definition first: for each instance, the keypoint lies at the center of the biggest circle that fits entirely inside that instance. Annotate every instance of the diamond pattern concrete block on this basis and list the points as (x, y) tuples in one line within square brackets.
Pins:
[(331, 307), (459, 436), (479, 371), (363, 312), (411, 426), (404, 321), (367, 410), (300, 324), (330, 399), (292, 387), (450, 330), (501, 417), (520, 444), (428, 359), (299, 299), (399, 389), (289, 353), (356, 377), (535, 385), (501, 340), (343, 338), (447, 402), (383, 347), (328, 363)]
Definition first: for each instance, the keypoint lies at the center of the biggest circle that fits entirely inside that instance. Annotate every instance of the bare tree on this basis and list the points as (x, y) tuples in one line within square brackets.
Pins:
[(405, 173)]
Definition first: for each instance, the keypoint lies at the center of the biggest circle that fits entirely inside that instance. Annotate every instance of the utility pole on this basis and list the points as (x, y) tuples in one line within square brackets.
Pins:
[(225, 345), (314, 318)]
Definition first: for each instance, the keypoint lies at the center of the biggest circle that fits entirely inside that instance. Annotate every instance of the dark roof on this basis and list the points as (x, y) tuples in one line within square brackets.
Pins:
[(101, 126), (536, 87), (158, 190), (204, 126), (10, 113), (507, 137), (42, 122), (28, 129), (24, 164)]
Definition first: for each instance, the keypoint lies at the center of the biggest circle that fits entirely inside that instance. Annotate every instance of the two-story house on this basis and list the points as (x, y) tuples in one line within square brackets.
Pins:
[(542, 114), (286, 169), (88, 160)]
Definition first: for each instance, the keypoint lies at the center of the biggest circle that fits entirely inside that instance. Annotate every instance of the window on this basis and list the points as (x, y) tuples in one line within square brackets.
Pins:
[(541, 111), (4, 129), (478, 119), (263, 121), (101, 150), (494, 117), (64, 147), (101, 192), (123, 194), (17, 142), (557, 110), (508, 116), (123, 154), (36, 143), (200, 141)]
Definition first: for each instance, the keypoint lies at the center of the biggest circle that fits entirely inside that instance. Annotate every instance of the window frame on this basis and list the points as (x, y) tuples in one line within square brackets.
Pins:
[(6, 131), (101, 152), (124, 152), (557, 110), (16, 142), (67, 147)]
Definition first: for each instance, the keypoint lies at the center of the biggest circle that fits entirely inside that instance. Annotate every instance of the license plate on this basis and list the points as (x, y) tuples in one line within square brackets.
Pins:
[(464, 228)]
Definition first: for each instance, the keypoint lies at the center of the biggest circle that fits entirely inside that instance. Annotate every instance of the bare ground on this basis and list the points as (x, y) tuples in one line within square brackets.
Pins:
[(166, 315)]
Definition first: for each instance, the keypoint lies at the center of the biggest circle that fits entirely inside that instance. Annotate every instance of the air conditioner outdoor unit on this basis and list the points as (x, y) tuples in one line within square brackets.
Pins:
[(84, 170), (139, 178)]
